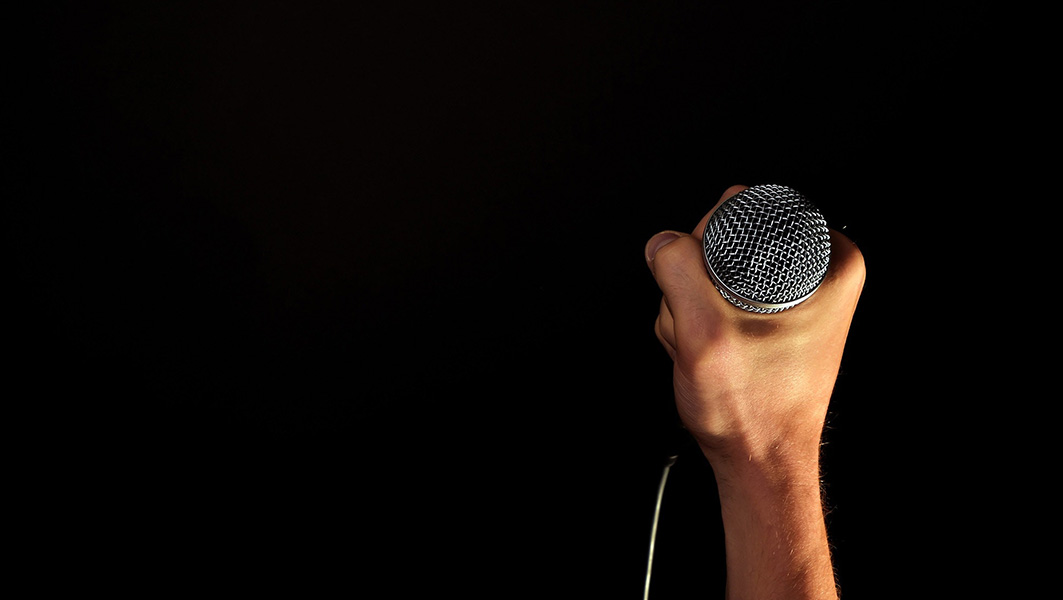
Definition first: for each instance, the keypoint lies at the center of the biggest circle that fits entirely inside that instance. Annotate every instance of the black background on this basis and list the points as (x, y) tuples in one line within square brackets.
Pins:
[(315, 296)]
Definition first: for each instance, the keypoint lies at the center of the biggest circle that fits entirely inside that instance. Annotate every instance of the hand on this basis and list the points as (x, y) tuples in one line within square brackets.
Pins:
[(748, 385)]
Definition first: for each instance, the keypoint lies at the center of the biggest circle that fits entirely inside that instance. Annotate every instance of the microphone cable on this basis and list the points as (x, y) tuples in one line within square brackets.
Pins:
[(656, 517)]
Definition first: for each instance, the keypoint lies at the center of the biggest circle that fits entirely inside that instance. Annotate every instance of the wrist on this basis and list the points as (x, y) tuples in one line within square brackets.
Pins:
[(762, 461)]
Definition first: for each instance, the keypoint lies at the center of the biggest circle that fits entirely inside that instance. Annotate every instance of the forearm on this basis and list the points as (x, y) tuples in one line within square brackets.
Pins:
[(775, 535)]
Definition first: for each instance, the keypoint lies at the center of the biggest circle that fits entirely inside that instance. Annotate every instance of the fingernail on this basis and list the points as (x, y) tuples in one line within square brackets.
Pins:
[(659, 241)]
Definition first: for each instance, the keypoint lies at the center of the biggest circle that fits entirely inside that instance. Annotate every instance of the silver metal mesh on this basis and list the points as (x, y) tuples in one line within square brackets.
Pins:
[(767, 248)]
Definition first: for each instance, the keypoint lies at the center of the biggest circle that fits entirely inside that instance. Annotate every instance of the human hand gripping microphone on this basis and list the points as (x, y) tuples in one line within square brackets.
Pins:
[(756, 307)]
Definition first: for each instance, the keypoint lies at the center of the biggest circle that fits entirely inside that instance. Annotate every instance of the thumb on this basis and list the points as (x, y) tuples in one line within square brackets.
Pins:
[(678, 265), (657, 242)]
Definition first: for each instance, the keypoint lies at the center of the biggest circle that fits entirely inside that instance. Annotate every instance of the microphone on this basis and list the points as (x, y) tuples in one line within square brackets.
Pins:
[(767, 248)]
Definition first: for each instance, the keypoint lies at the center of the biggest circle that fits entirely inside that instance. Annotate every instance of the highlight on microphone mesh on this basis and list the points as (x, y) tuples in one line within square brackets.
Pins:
[(767, 248)]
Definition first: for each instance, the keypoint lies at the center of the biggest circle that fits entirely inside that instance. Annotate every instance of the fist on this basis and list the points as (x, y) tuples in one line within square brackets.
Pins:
[(745, 383)]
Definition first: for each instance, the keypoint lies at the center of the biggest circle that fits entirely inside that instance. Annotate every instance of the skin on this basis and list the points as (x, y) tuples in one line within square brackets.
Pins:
[(753, 391)]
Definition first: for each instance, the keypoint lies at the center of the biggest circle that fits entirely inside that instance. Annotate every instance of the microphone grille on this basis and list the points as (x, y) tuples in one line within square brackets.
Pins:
[(767, 248)]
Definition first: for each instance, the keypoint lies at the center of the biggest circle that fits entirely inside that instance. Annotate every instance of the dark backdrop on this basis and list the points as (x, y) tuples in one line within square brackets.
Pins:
[(337, 295)]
